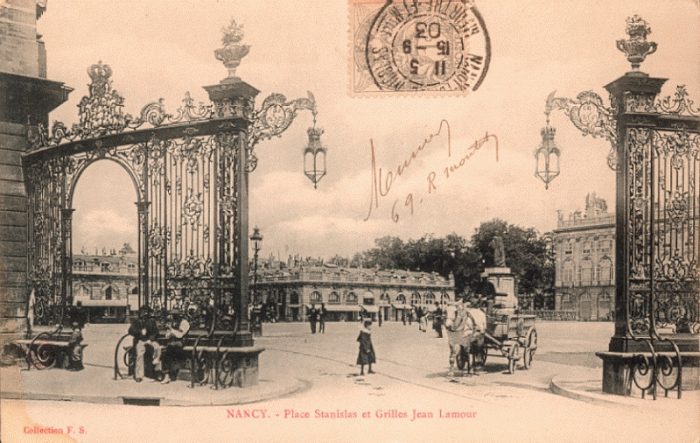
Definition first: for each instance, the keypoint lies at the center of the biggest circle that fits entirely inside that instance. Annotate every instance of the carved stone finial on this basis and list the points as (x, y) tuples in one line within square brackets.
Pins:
[(637, 47), (232, 53)]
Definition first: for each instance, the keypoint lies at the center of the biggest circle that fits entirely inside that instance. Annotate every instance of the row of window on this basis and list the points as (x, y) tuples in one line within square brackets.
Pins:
[(352, 299), (588, 246), (108, 292), (568, 298), (585, 274), (103, 267)]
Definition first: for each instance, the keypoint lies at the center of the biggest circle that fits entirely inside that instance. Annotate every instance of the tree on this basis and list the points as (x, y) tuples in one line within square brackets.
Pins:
[(127, 249), (526, 254)]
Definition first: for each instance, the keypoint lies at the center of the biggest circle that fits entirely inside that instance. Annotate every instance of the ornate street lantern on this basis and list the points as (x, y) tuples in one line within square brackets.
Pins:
[(256, 238), (315, 155), (547, 156)]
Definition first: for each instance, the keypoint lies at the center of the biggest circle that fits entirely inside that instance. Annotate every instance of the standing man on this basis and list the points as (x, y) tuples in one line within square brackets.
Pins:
[(322, 319), (313, 317), (379, 317), (437, 320)]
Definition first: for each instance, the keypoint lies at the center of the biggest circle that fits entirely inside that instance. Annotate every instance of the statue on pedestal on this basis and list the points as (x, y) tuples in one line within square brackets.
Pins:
[(499, 253)]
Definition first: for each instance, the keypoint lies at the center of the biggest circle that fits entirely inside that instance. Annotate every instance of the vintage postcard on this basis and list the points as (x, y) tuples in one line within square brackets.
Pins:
[(349, 220)]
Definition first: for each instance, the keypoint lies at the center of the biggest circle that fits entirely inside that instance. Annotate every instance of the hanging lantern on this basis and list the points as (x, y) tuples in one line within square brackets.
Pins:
[(547, 157), (315, 156)]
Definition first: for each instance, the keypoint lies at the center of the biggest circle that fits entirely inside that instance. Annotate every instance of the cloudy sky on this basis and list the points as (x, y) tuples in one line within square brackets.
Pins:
[(159, 48)]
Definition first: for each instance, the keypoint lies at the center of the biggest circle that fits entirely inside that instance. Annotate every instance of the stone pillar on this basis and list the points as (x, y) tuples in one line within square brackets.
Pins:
[(234, 98), (630, 95), (26, 98)]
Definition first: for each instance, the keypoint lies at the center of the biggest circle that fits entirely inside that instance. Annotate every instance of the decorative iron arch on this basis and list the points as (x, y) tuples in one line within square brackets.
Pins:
[(86, 164), (190, 174)]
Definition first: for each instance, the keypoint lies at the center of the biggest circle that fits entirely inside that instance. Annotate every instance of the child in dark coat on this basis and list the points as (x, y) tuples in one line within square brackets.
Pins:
[(366, 355)]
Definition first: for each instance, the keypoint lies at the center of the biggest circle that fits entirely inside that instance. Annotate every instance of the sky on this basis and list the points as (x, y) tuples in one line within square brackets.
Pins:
[(163, 49)]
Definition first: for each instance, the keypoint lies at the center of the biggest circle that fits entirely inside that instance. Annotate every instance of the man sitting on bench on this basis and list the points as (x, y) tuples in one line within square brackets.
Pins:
[(145, 332), (174, 355)]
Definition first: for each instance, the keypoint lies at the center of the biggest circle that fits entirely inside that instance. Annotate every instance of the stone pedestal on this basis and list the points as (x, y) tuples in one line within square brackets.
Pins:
[(617, 370), (504, 283)]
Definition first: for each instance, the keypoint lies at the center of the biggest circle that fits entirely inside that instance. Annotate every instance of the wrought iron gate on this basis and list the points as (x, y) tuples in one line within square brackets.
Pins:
[(663, 167), (190, 174)]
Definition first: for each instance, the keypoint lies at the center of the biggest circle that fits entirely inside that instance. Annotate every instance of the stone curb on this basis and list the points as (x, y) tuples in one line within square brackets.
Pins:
[(290, 387), (556, 386)]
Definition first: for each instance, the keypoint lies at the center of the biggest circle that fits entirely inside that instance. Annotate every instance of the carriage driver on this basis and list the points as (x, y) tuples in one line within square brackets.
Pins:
[(465, 327)]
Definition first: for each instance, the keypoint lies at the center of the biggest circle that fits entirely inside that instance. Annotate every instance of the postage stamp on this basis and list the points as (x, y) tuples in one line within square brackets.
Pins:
[(403, 46)]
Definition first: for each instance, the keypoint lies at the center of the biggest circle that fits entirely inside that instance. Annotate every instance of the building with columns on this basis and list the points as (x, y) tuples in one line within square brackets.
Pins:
[(585, 262), (348, 293)]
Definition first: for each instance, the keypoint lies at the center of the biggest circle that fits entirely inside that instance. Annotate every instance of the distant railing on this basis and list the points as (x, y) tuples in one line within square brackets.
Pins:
[(553, 315), (603, 220)]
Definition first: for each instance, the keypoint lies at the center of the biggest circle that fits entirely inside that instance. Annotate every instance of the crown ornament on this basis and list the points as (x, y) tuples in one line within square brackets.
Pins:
[(232, 52), (637, 47)]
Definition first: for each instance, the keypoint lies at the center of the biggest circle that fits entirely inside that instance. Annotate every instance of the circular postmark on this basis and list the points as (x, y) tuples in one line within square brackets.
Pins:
[(428, 46)]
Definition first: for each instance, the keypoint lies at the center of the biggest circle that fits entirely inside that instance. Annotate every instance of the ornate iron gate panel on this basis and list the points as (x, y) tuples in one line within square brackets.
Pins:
[(663, 226), (190, 173)]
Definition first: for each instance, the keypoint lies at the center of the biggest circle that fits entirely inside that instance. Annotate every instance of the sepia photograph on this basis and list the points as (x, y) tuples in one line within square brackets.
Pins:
[(349, 220)]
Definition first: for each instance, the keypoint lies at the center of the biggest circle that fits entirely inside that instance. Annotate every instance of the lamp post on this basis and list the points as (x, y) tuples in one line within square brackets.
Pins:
[(256, 238)]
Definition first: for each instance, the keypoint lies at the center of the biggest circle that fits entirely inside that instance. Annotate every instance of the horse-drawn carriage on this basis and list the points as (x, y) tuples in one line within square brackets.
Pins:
[(513, 335)]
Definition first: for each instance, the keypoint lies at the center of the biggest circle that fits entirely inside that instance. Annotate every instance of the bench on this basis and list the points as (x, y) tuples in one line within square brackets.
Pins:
[(212, 359), (47, 351)]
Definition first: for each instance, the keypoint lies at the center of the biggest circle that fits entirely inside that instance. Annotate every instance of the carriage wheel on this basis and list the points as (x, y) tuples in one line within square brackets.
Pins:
[(513, 357), (462, 358), (530, 348), (124, 357)]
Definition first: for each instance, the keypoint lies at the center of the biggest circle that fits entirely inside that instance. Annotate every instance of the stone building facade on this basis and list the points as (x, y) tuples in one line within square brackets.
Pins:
[(585, 262), (26, 98), (106, 285), (348, 293)]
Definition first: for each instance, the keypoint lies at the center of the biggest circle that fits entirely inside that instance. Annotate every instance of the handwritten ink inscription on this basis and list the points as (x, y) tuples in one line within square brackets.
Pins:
[(382, 182)]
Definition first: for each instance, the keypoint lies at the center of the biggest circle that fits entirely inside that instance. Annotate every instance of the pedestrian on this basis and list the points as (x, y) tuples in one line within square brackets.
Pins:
[(437, 320), (411, 310), (366, 354), (322, 319), (313, 318), (174, 355), (379, 317), (144, 329), (420, 315), (75, 349), (403, 311)]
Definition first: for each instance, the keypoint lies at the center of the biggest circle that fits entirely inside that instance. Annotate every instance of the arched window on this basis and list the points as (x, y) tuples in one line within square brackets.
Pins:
[(415, 298), (351, 298), (568, 272), (605, 271), (385, 299), (334, 297), (444, 298), (315, 297), (108, 293), (401, 299), (135, 290), (586, 271), (429, 298)]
